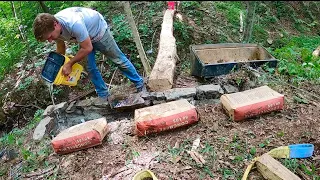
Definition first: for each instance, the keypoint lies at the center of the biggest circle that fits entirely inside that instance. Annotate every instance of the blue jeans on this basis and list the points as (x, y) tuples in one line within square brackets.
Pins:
[(110, 49)]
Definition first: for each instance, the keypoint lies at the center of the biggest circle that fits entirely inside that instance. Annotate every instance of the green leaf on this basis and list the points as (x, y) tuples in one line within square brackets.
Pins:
[(300, 100), (253, 151), (262, 145)]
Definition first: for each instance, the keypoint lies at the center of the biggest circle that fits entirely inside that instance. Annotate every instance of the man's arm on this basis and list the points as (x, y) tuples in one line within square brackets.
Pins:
[(61, 47), (85, 49)]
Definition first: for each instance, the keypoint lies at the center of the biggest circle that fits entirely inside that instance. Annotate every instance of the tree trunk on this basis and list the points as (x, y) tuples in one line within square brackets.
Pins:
[(44, 7), (16, 17), (251, 6), (13, 9), (136, 37)]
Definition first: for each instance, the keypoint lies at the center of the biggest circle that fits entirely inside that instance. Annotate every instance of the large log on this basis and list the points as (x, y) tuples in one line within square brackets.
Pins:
[(161, 77), (273, 169)]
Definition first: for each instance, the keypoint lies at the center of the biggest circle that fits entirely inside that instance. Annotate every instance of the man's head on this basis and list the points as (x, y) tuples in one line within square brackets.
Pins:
[(46, 27)]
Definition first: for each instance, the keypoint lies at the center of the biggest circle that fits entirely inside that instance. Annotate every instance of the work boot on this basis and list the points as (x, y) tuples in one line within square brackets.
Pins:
[(142, 89), (101, 101)]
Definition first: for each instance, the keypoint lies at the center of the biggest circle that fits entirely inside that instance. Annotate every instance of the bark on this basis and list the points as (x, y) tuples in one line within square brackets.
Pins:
[(136, 37), (249, 21), (44, 7)]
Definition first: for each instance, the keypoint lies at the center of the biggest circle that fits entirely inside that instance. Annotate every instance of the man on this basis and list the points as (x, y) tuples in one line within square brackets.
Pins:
[(90, 30)]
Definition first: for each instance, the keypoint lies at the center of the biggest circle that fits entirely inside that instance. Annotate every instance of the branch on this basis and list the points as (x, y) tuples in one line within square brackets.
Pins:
[(136, 37)]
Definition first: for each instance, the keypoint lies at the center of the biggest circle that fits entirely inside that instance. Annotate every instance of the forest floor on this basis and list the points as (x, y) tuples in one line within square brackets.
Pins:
[(226, 146)]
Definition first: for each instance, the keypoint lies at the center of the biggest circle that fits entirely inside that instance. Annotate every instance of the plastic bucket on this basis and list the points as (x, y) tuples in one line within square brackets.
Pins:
[(144, 174), (52, 68), (301, 150)]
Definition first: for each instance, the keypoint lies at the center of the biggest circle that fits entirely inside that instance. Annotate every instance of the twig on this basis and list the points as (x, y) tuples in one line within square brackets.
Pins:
[(152, 39), (305, 177), (118, 172), (112, 78), (26, 106), (39, 173)]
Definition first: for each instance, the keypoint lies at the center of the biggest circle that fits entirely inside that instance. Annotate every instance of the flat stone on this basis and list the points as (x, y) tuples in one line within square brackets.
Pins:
[(159, 96), (61, 107), (230, 89), (146, 95), (209, 91), (41, 129), (178, 93), (71, 108), (48, 111)]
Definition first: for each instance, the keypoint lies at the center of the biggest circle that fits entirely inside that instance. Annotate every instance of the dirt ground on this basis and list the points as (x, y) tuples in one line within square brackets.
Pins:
[(226, 146)]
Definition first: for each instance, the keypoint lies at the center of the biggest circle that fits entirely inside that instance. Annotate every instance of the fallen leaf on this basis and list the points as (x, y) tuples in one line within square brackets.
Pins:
[(99, 162), (197, 157), (316, 158), (176, 159)]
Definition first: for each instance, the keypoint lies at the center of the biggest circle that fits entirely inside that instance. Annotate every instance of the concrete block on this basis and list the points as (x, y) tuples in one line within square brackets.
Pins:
[(178, 93), (209, 91)]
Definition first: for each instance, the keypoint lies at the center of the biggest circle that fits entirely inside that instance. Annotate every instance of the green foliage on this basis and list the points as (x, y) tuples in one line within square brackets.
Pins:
[(296, 58), (291, 164), (11, 47), (231, 10), (182, 34), (260, 34), (121, 28), (310, 171), (27, 82)]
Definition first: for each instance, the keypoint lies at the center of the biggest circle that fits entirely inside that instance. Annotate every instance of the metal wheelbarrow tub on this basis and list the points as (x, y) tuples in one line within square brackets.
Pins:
[(209, 60)]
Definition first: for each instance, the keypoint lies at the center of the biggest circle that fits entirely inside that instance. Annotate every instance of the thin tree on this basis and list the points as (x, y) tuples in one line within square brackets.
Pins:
[(136, 37), (44, 7), (250, 16), (20, 27)]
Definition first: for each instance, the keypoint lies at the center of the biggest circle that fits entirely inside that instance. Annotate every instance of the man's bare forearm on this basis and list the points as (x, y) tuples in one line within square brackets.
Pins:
[(81, 54)]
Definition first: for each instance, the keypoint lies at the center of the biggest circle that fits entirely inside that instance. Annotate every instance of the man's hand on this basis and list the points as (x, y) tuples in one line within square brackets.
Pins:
[(66, 69)]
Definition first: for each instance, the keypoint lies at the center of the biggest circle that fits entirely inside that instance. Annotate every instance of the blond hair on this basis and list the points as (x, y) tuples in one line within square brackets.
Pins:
[(43, 24)]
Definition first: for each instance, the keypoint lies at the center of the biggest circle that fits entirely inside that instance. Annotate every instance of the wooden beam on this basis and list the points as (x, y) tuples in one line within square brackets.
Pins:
[(273, 169), (162, 74)]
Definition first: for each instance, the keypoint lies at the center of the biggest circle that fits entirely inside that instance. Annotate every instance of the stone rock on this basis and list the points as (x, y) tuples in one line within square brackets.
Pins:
[(209, 91), (146, 96), (7, 155), (48, 111), (230, 89), (156, 96), (42, 128), (119, 130), (133, 101), (178, 93), (61, 107)]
